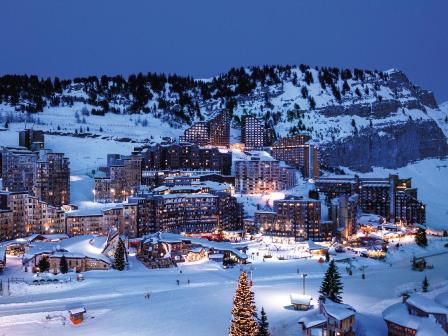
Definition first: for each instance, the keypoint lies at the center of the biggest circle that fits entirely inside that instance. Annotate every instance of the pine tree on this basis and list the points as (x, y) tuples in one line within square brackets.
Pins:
[(420, 237), (63, 266), (119, 256), (44, 264), (332, 286), (243, 322), (425, 284), (263, 324)]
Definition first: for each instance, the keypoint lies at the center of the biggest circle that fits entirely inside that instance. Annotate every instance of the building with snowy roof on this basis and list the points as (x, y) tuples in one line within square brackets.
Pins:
[(417, 315), (83, 253)]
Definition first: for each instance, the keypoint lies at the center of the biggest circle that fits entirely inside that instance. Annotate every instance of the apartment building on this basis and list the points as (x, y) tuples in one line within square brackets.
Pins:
[(43, 174), (298, 152), (252, 133), (294, 218), (119, 180), (259, 173), (186, 157), (392, 198), (214, 132), (28, 215)]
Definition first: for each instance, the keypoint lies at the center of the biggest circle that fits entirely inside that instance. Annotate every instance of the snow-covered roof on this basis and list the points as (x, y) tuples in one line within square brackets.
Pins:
[(313, 246), (300, 299), (89, 246), (427, 305), (399, 314), (339, 311), (442, 299), (312, 320), (94, 210)]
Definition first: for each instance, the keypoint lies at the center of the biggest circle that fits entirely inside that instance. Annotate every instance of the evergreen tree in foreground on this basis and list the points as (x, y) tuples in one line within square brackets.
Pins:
[(425, 284), (243, 322), (44, 264), (263, 324), (331, 287), (119, 256), (63, 265), (420, 237)]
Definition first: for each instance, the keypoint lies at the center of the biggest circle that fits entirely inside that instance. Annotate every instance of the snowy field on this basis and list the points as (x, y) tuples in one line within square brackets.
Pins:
[(116, 304)]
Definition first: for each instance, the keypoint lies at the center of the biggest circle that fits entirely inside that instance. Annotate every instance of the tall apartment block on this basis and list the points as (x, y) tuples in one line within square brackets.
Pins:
[(392, 197), (214, 132), (259, 173), (52, 178), (252, 133), (342, 213), (32, 139), (119, 180), (43, 174), (298, 152), (294, 218)]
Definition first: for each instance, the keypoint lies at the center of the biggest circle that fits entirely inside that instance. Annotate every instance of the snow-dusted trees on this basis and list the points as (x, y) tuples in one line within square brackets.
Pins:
[(119, 256), (420, 237), (244, 322), (425, 284), (331, 287), (63, 265), (263, 324), (44, 264)]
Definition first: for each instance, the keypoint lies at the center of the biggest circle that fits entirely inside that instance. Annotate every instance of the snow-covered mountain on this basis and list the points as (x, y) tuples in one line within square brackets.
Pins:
[(359, 118)]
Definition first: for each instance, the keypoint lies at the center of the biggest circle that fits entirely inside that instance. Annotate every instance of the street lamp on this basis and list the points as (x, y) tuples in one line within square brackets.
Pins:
[(304, 275)]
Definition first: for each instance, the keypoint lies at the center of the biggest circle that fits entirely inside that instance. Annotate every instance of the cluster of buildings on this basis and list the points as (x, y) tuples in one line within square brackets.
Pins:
[(194, 208), (392, 198)]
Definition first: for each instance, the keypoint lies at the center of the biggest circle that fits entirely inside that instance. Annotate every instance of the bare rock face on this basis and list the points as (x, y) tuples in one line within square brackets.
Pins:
[(391, 147)]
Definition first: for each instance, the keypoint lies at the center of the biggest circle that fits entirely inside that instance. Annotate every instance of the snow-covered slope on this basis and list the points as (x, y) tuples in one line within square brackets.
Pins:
[(348, 112)]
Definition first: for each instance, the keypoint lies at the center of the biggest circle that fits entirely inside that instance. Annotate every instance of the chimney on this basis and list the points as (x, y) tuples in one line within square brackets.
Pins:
[(404, 297)]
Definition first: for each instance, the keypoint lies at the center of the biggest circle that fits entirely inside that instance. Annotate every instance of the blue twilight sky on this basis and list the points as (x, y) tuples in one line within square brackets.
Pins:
[(205, 37)]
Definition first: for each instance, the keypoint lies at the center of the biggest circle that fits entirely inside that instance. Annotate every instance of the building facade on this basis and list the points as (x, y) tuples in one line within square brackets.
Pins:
[(43, 174), (296, 218), (214, 132), (392, 198), (298, 152), (186, 157), (260, 173), (119, 180)]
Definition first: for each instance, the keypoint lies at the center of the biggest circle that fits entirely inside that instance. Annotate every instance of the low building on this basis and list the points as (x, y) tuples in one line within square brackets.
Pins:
[(83, 253), (163, 249), (300, 301), (330, 318), (417, 315)]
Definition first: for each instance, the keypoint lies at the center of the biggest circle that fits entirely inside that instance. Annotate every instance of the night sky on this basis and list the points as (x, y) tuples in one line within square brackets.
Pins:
[(205, 37)]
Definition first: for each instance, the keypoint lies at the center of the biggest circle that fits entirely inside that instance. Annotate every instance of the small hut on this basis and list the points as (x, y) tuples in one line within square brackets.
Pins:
[(77, 314), (300, 302)]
